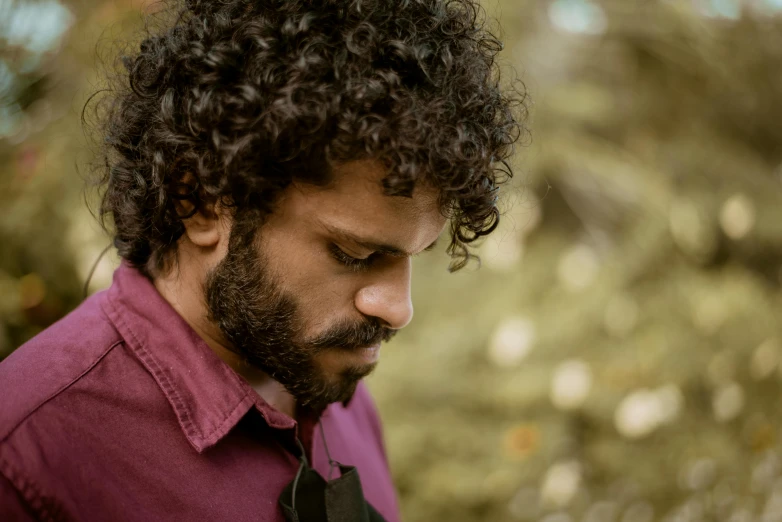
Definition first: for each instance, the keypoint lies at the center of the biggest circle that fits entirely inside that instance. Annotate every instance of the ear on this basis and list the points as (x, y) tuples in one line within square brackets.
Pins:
[(204, 228)]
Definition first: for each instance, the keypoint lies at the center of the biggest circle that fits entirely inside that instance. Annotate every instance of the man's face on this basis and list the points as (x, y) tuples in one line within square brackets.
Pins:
[(310, 296)]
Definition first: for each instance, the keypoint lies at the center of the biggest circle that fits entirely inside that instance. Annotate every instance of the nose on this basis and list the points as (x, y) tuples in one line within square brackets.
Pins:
[(387, 296)]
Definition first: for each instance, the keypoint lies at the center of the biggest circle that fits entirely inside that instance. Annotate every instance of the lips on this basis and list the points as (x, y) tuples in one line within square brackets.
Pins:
[(370, 354)]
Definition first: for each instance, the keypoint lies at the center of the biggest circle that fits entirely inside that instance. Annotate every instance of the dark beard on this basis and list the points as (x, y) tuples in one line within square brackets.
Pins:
[(262, 325)]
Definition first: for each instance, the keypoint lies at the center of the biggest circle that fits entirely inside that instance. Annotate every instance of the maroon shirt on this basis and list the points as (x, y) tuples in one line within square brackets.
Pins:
[(120, 411)]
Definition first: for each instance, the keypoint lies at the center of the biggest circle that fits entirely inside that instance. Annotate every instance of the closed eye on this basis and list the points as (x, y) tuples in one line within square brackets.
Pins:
[(356, 264)]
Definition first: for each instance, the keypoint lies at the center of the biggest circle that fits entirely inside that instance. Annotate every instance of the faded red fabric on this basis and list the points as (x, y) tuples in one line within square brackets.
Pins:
[(121, 412)]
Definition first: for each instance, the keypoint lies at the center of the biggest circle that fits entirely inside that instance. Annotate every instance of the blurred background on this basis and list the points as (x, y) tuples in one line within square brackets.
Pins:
[(617, 356)]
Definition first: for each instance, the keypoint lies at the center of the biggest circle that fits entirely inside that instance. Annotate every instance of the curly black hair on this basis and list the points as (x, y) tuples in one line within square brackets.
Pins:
[(235, 99)]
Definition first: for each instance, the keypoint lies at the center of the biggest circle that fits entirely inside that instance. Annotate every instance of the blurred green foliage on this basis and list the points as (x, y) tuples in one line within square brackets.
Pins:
[(617, 356)]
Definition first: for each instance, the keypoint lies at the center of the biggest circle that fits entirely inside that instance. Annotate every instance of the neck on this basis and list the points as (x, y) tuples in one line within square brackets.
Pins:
[(184, 292)]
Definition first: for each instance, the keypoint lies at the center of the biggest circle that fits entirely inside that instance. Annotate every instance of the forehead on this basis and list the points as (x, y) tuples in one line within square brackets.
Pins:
[(355, 201)]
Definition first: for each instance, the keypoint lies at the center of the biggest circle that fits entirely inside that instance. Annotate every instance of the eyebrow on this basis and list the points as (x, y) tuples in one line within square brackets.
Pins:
[(376, 246)]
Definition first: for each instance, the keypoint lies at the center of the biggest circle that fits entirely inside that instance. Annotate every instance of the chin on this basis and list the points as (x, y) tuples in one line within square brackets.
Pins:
[(340, 387), (347, 393)]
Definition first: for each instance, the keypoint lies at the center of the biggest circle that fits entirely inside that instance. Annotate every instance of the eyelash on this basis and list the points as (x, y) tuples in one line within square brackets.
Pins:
[(350, 262)]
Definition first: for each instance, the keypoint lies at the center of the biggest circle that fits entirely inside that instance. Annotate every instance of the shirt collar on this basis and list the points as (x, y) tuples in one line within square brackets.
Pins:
[(207, 396)]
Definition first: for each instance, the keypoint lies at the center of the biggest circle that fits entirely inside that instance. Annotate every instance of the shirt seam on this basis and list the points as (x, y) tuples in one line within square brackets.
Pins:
[(5, 437), (28, 490)]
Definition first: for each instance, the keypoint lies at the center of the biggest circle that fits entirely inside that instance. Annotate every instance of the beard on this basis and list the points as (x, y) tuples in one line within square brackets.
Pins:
[(264, 326)]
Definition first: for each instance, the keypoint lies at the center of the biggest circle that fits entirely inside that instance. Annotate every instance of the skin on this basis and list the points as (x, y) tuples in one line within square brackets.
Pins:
[(353, 214)]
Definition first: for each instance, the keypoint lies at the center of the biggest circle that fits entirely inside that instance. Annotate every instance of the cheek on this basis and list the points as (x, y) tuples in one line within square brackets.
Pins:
[(324, 301), (322, 292)]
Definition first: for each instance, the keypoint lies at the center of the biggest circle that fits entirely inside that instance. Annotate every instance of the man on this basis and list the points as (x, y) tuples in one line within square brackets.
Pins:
[(271, 168)]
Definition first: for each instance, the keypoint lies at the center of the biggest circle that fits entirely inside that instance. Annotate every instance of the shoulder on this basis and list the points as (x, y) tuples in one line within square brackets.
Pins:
[(48, 364)]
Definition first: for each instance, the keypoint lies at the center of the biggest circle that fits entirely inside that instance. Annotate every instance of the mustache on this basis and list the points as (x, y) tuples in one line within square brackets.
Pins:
[(354, 336)]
